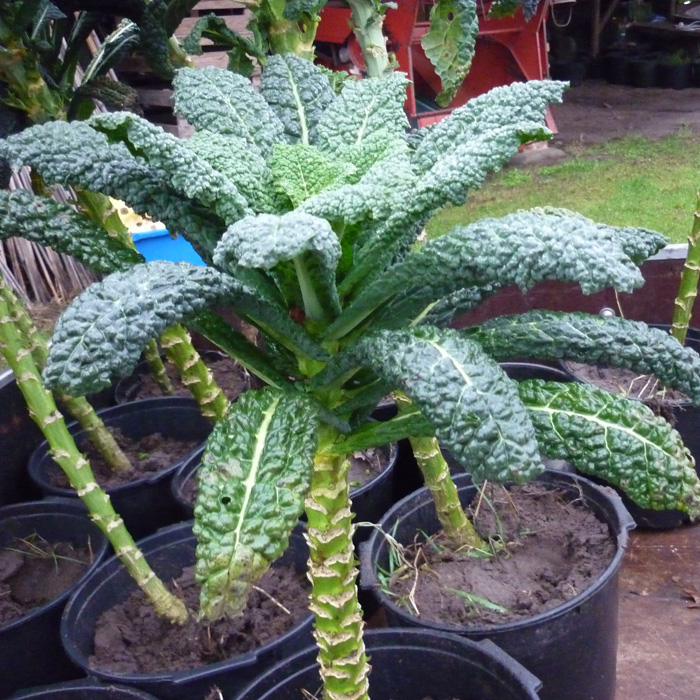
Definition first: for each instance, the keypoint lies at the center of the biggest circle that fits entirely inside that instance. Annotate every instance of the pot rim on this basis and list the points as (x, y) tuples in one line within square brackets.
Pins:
[(619, 519)]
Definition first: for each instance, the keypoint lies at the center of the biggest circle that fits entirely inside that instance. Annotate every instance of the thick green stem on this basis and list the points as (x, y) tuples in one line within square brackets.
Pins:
[(367, 24), (194, 373), (157, 368), (286, 36), (42, 409), (339, 626), (688, 288), (313, 308), (436, 475), (78, 407)]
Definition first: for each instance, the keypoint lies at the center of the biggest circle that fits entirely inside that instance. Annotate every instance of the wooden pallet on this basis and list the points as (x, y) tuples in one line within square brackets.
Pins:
[(155, 94)]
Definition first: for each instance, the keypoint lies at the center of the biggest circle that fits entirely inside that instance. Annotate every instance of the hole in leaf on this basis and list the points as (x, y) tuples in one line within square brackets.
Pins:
[(450, 16), (225, 500)]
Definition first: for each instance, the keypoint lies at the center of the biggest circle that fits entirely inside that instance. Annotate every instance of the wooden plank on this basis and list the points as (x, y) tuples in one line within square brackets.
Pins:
[(218, 59), (214, 5), (237, 23), (155, 98)]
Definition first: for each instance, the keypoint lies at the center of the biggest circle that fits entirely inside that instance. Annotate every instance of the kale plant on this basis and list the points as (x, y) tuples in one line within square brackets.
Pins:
[(308, 208)]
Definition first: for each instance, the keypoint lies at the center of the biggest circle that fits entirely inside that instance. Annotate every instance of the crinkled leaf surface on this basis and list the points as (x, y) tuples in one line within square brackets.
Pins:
[(45, 221), (225, 102), (284, 243), (509, 105), (73, 153), (595, 340), (302, 171), (362, 114), (471, 403), (252, 482), (522, 248), (638, 243), (615, 439), (383, 188), (450, 42), (298, 92), (187, 172), (103, 332), (240, 162), (447, 182)]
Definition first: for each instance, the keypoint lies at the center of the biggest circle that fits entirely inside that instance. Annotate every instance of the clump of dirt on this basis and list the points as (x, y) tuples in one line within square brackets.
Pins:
[(633, 385), (33, 572), (131, 639), (545, 551), (148, 455)]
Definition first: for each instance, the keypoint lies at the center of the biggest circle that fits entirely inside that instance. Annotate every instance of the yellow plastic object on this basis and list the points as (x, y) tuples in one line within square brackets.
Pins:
[(133, 221)]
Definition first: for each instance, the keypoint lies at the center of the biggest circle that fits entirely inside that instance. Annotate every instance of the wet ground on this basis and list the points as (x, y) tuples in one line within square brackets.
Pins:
[(596, 112), (660, 616), (659, 620)]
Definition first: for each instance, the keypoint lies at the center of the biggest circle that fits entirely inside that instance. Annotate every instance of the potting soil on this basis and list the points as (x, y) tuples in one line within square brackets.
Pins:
[(545, 551), (131, 639)]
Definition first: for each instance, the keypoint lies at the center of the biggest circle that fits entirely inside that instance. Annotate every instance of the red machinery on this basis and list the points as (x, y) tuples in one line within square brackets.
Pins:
[(507, 50)]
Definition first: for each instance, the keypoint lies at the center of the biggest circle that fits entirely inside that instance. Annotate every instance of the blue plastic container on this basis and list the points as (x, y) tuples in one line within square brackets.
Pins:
[(158, 245)]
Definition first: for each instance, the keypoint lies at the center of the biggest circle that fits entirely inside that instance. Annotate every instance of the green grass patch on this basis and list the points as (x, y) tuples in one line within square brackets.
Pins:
[(627, 182)]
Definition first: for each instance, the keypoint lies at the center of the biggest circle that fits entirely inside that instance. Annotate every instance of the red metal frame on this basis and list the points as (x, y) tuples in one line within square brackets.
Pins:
[(507, 50)]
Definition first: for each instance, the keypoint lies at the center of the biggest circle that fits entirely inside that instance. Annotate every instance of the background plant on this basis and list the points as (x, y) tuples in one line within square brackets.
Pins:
[(307, 206)]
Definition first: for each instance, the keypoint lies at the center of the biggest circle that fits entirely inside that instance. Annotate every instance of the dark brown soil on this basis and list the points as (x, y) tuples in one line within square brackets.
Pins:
[(229, 375), (644, 387), (131, 639), (148, 455), (33, 572), (550, 550), (363, 467)]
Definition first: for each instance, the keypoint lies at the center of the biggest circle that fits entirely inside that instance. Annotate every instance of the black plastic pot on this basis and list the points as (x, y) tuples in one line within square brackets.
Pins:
[(686, 420), (642, 72), (144, 504), (571, 648), (616, 67), (30, 646), (411, 665), (369, 501), (126, 389), (674, 75), (83, 690), (168, 552)]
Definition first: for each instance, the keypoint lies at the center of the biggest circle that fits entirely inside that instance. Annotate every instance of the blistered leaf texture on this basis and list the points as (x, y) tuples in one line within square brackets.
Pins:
[(102, 333), (49, 223), (615, 439), (240, 162), (638, 243), (298, 92), (73, 153), (467, 397), (225, 102), (267, 241), (363, 112), (302, 171), (188, 173), (384, 187), (595, 340), (504, 106), (254, 476), (522, 248), (449, 43)]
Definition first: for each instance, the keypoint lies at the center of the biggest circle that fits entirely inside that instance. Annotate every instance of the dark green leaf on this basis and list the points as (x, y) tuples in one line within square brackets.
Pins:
[(252, 483), (615, 439), (595, 340)]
